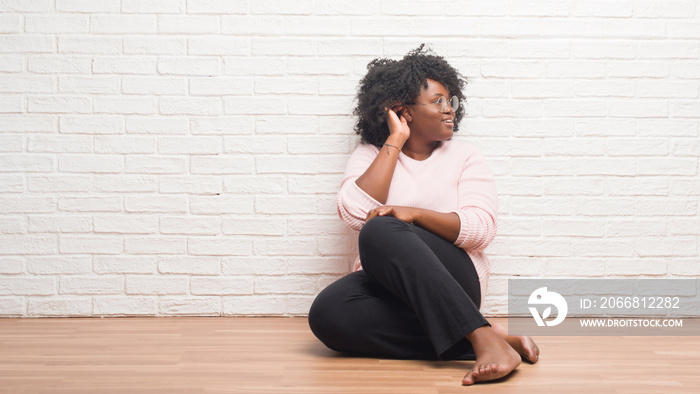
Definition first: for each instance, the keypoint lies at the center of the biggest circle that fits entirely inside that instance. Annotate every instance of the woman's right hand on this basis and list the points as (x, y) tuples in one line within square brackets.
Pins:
[(398, 125)]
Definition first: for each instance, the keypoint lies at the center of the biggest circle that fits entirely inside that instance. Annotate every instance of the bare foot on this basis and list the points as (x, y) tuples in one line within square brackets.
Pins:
[(525, 346), (495, 358)]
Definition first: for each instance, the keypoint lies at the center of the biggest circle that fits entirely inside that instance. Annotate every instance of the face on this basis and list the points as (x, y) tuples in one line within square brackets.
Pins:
[(424, 118)]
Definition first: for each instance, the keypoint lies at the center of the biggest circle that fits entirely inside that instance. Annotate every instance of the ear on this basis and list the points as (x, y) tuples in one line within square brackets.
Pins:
[(406, 113)]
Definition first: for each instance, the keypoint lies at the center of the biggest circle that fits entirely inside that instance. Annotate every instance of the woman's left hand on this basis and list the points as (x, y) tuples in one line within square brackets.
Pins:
[(407, 214)]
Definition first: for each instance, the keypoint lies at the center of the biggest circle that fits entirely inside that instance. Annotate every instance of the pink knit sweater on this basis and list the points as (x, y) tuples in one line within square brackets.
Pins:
[(455, 178)]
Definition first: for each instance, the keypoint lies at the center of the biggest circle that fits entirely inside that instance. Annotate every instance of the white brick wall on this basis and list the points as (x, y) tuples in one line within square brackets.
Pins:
[(181, 157)]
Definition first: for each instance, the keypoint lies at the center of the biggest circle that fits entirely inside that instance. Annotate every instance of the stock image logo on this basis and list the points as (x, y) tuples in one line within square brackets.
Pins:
[(543, 297)]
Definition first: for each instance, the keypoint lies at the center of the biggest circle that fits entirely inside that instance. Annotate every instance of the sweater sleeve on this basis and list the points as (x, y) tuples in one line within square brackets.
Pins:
[(477, 204), (354, 203)]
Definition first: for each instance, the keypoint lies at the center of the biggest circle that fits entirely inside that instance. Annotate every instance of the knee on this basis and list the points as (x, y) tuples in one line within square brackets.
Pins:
[(379, 230), (323, 320)]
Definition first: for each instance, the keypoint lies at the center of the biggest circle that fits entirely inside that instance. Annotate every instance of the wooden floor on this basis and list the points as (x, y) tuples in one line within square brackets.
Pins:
[(280, 355)]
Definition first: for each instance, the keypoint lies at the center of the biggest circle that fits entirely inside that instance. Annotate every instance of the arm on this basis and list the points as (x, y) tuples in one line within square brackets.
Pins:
[(443, 224)]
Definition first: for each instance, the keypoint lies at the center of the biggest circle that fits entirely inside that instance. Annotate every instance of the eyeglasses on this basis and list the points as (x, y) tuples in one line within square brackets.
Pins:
[(441, 103)]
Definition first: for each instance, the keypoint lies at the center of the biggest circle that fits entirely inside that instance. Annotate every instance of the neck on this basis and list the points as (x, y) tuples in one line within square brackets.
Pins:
[(417, 150)]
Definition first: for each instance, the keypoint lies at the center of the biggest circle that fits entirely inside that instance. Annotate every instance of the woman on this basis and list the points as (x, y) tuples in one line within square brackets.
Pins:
[(425, 207)]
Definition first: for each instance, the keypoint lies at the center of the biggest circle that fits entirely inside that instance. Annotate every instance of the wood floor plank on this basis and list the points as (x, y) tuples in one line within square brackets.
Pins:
[(272, 355)]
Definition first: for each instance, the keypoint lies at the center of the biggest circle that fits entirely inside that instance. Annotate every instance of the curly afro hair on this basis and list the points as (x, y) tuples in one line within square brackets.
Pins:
[(389, 83)]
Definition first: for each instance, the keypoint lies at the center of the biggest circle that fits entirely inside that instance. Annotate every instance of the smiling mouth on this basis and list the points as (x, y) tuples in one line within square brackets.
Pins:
[(448, 122)]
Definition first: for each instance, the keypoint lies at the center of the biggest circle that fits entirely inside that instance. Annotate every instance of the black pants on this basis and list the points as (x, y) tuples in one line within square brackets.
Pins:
[(416, 298)]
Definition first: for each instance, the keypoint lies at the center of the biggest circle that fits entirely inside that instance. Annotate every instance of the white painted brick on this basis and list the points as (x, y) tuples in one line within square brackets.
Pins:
[(11, 143), (255, 144), (219, 86), (151, 45), (286, 246), (263, 305), (12, 306), (190, 185), (124, 65), (222, 285), (331, 144), (602, 8), (190, 225), (154, 86), (60, 224), (299, 305), (357, 7), (157, 125), (603, 248), (11, 104), (219, 246), (190, 66), (512, 69), (28, 122), (686, 70), (348, 46), (254, 226), (286, 164), (520, 186), (684, 226), (24, 204), (194, 265), (511, 108), (606, 88), (618, 167), (91, 124), (280, 204), (190, 106), (87, 6), (85, 244), (255, 185), (59, 306), (223, 204), (285, 285), (576, 267), (684, 267), (82, 44), (287, 124), (11, 183), (13, 225), (130, 105), (11, 24), (668, 50), (153, 6), (104, 264), (315, 265), (686, 147), (685, 109), (314, 183), (257, 105), (519, 226), (536, 247), (667, 166), (528, 206), (254, 265), (685, 187), (11, 63), (155, 245), (60, 143), (59, 183), (574, 147), (323, 227), (222, 164), (49, 64), (218, 7), (122, 24), (223, 125), (90, 163), (153, 204), (635, 228), (26, 43), (511, 147), (229, 46), (188, 24), (155, 285), (200, 306), (666, 207), (30, 285), (667, 246), (282, 46), (573, 228), (189, 145), (126, 224), (59, 105), (621, 267), (262, 65), (592, 206), (575, 186), (84, 285), (124, 306), (28, 245), (538, 89), (143, 164), (11, 265), (40, 84), (125, 183), (669, 9), (542, 166), (89, 85)]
